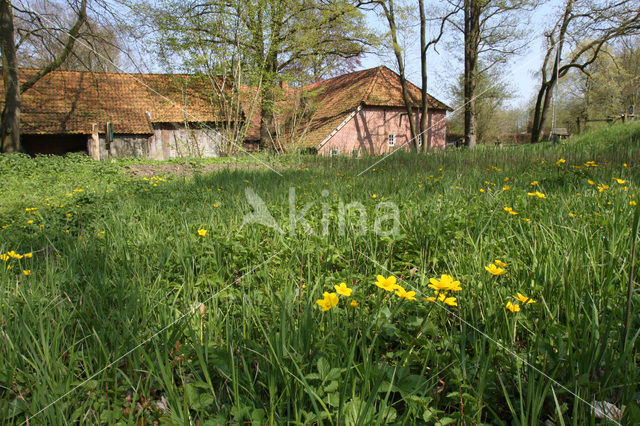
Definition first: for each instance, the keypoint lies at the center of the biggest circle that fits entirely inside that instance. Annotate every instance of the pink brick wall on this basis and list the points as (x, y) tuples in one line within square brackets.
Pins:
[(369, 131)]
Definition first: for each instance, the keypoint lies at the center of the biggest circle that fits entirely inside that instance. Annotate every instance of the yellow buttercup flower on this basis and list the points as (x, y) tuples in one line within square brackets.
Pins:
[(4, 257), (328, 301), (494, 270), (506, 188), (445, 283), (590, 182), (343, 290), (602, 187), (353, 304), (388, 284), (451, 301), (513, 307), (28, 255), (27, 272), (632, 203), (572, 215), (620, 181), (14, 255), (524, 299), (374, 196), (500, 263), (202, 232), (403, 294), (510, 210), (561, 161), (534, 183), (537, 194)]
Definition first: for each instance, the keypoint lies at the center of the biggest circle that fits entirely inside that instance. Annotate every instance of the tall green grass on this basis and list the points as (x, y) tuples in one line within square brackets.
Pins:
[(256, 346)]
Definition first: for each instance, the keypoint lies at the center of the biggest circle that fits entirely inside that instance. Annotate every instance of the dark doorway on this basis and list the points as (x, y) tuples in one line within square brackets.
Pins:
[(54, 144)]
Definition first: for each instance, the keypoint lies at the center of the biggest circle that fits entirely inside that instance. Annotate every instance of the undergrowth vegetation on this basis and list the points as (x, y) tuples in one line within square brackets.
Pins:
[(133, 298)]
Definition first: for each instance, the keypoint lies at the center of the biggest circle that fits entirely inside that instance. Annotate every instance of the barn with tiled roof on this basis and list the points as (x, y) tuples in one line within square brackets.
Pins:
[(161, 116)]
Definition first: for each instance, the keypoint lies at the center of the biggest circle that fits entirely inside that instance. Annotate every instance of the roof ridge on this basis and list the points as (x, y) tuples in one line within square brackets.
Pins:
[(373, 82)]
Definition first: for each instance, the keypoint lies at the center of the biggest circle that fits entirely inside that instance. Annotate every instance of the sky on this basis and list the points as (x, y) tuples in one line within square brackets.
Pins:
[(446, 65)]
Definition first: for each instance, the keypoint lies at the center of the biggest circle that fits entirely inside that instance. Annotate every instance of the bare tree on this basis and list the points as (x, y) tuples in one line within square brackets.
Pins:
[(390, 15), (10, 124), (584, 28)]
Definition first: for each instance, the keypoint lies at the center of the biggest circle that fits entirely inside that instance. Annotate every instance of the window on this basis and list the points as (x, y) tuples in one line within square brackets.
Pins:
[(334, 152), (419, 140), (392, 139)]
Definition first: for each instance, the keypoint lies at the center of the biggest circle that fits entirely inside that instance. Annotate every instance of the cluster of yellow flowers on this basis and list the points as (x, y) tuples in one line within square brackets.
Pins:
[(497, 268), (514, 307), (442, 286), (389, 284), (330, 300), (4, 257), (537, 194)]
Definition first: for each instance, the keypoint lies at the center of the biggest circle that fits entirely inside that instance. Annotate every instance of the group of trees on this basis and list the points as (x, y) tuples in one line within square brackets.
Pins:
[(246, 50)]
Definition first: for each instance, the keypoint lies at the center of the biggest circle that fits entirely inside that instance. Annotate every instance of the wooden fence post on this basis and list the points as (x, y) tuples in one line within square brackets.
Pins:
[(95, 142)]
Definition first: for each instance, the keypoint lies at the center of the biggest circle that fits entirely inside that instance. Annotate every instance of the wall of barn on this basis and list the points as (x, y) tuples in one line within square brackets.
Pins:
[(368, 131), (167, 141)]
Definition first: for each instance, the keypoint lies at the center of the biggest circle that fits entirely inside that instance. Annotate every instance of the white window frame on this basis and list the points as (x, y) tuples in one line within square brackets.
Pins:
[(419, 140), (391, 139), (334, 152)]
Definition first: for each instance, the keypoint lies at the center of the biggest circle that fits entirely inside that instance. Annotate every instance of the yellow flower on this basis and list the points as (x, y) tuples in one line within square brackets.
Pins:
[(403, 294), (216, 205), (451, 301), (603, 187), (590, 182), (353, 304), (500, 263), (510, 210), (481, 190), (524, 299), (343, 289), (506, 188), (513, 307), (374, 196), (202, 232), (561, 161), (534, 183), (537, 194), (494, 270), (572, 215), (526, 219), (632, 203), (28, 255), (68, 215), (4, 257), (14, 255), (620, 181), (445, 283), (388, 284), (506, 179), (29, 221), (328, 301), (27, 272)]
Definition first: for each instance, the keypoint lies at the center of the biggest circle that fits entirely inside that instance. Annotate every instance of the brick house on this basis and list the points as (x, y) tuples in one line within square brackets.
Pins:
[(160, 116), (364, 112)]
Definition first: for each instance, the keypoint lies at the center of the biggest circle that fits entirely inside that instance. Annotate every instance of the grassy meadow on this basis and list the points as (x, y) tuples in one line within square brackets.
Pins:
[(131, 299)]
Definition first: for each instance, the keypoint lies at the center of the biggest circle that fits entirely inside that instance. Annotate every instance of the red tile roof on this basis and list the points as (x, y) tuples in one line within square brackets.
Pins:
[(71, 101), (340, 96)]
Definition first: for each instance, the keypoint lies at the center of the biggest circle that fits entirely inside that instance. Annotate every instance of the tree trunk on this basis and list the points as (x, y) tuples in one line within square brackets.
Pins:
[(389, 13), (267, 102), (471, 43), (426, 140), (10, 121)]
